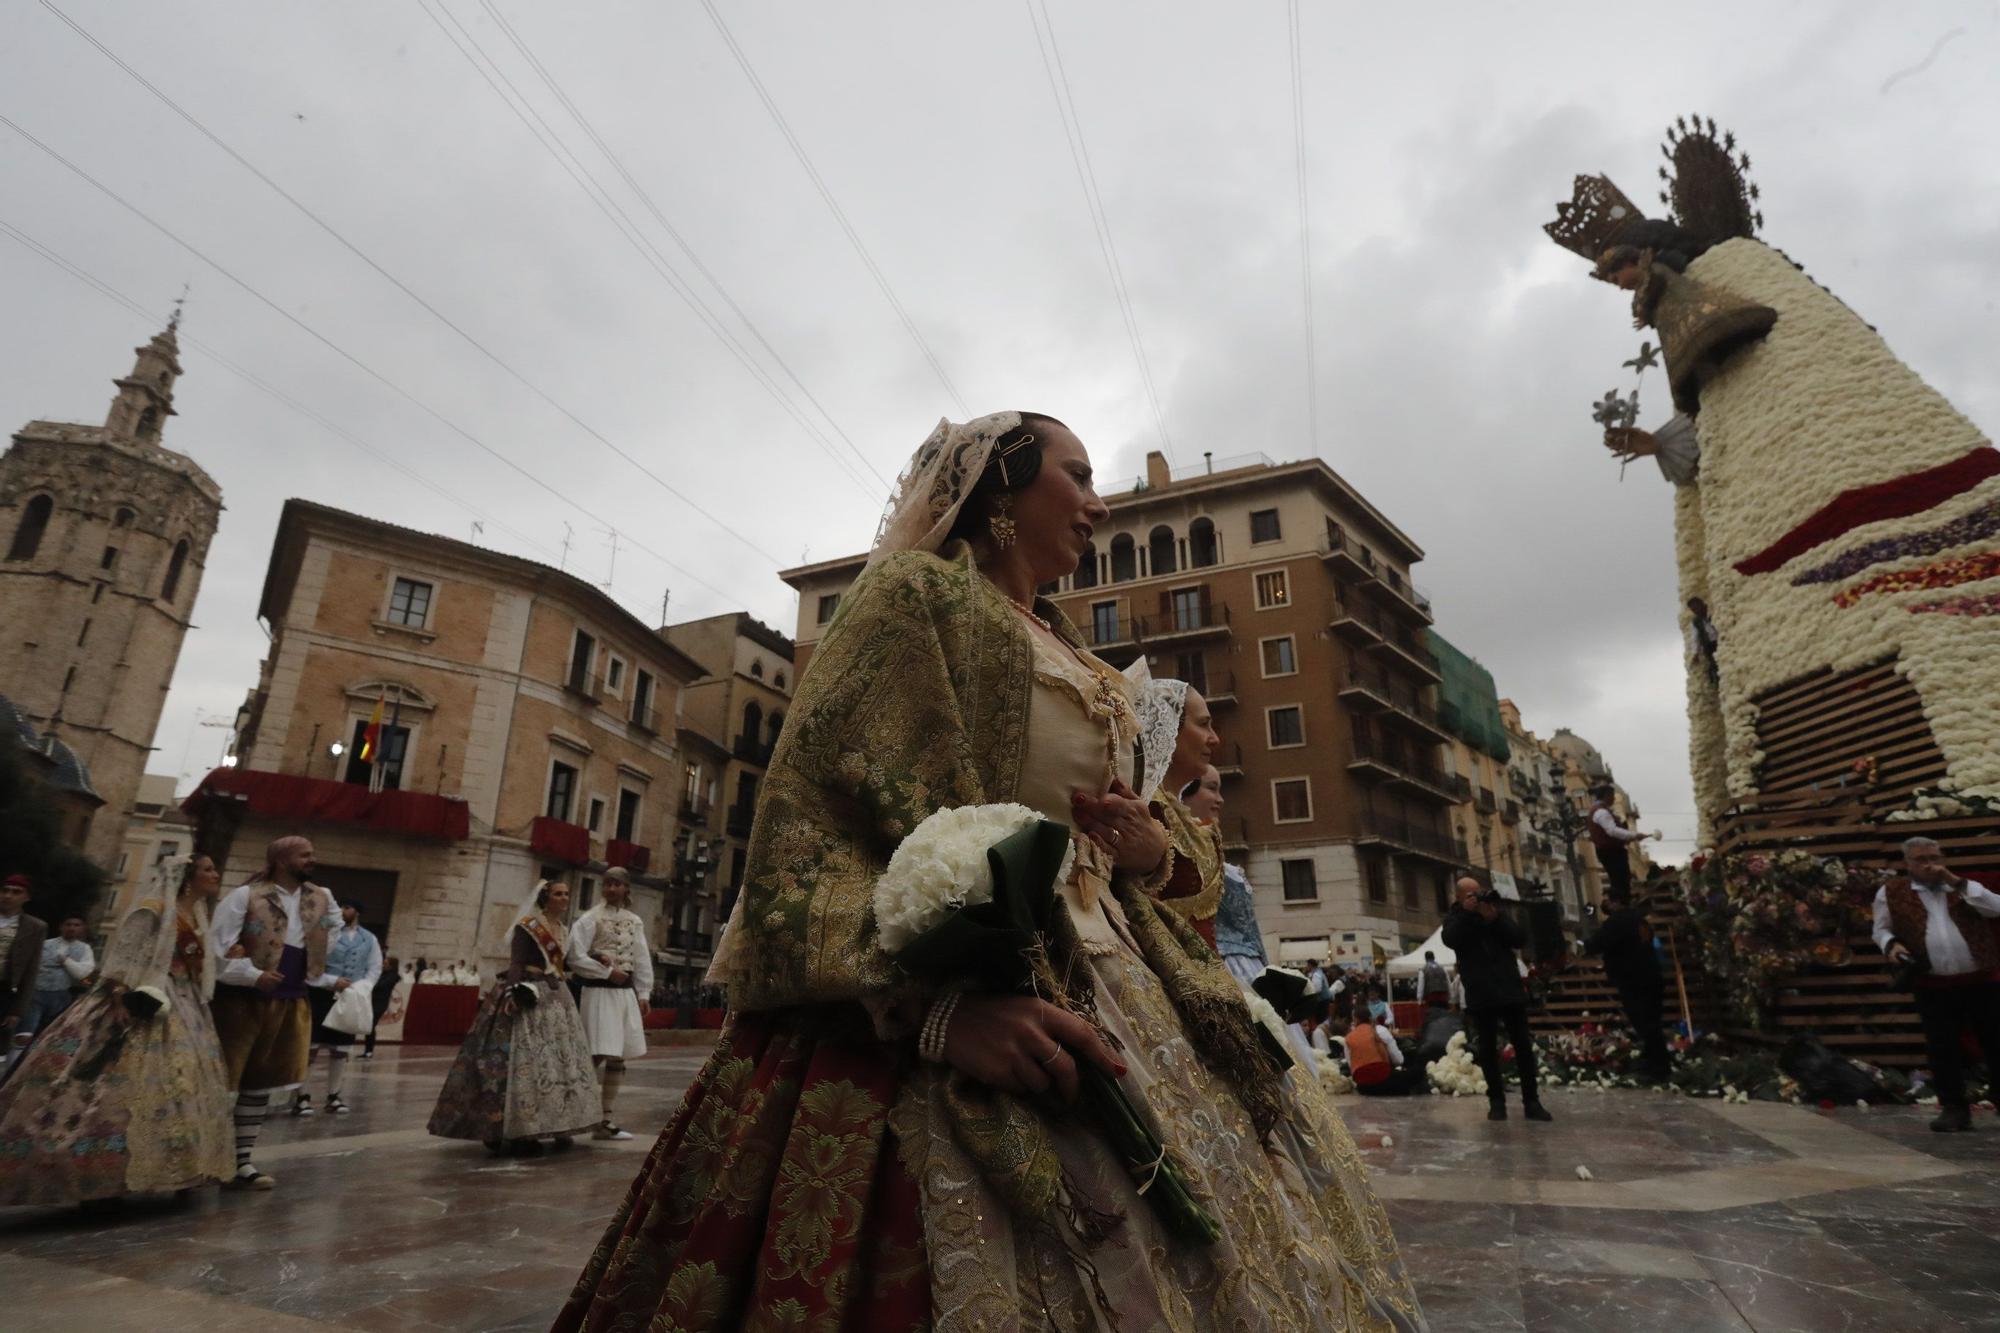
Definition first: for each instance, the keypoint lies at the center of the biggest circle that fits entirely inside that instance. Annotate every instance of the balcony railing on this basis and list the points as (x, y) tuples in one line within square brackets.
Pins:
[(1395, 764), (1356, 623), (1218, 687), (1229, 759), (1414, 837), (1367, 690), (1412, 652), (646, 718), (583, 684), (1182, 622), (1510, 812), (1406, 598), (1343, 552), (1460, 787), (752, 751), (741, 817), (1486, 803)]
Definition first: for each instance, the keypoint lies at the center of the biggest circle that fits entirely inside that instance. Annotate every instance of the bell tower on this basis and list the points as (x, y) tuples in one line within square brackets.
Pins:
[(104, 533)]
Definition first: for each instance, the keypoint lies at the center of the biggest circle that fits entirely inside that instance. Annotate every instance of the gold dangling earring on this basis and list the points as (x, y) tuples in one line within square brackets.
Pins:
[(1001, 525)]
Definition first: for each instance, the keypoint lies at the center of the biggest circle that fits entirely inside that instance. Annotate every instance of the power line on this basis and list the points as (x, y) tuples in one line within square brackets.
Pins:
[(645, 197), (397, 282), (1086, 174), (342, 352), (117, 297), (544, 134), (833, 206), (1305, 217)]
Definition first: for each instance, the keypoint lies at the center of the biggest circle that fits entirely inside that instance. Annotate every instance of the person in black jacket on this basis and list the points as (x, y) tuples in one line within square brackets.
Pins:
[(1625, 943), (1485, 938)]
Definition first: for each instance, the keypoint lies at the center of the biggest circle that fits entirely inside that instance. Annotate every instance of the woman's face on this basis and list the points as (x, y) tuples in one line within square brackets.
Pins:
[(1198, 741), (558, 899), (206, 878), (1206, 802), (1055, 516)]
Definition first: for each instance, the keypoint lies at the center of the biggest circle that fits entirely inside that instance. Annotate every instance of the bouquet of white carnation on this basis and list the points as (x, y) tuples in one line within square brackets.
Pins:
[(967, 901), (942, 868), (1456, 1072)]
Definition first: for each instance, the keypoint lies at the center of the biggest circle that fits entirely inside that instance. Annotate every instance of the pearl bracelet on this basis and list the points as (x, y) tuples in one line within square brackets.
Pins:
[(937, 1023)]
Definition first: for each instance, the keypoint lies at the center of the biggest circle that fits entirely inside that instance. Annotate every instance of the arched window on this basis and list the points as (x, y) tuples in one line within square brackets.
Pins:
[(122, 519), (777, 725), (1160, 550), (175, 563), (34, 522), (753, 722), (149, 423), (1086, 568), (779, 680), (1202, 551), (757, 670), (1124, 559)]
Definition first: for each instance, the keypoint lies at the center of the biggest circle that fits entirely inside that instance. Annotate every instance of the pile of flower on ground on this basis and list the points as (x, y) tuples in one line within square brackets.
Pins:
[(1456, 1072)]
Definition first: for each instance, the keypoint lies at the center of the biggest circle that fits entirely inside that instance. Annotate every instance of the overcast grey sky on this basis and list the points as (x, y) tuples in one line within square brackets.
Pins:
[(1458, 350)]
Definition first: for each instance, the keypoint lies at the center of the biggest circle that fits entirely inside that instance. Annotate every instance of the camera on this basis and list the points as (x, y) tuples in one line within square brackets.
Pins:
[(1491, 896)]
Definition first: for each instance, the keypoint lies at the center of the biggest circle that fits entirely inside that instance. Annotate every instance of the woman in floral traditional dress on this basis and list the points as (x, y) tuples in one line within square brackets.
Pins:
[(125, 1092), (523, 1072), (821, 1174)]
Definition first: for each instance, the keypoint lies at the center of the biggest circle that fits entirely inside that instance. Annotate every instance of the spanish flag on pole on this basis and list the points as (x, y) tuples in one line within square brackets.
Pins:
[(371, 739)]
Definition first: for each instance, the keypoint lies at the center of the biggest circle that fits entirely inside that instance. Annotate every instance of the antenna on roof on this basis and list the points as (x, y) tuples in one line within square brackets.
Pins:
[(665, 598), (569, 535), (611, 574)]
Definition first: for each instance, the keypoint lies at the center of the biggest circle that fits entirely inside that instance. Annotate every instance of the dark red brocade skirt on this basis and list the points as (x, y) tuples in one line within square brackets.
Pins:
[(775, 1199)]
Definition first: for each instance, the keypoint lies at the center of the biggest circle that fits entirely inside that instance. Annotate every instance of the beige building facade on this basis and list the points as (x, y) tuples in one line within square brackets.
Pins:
[(1286, 598), (155, 829), (104, 532), (530, 728)]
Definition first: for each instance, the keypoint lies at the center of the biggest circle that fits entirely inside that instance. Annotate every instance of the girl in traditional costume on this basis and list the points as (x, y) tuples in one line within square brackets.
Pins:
[(523, 1072), (125, 1093), (864, 1152)]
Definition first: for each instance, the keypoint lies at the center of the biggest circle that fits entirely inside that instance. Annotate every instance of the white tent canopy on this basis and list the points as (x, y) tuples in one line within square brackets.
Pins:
[(1411, 963)]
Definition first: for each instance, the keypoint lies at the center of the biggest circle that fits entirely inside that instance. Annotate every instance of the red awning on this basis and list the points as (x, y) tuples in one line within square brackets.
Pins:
[(633, 856), (559, 840), (288, 796)]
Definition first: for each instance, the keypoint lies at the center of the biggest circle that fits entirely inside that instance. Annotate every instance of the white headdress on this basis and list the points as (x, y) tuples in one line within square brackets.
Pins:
[(141, 952), (1159, 704), (935, 485)]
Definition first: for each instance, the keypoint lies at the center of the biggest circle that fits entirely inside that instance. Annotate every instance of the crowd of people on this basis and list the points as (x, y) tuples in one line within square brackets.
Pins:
[(154, 1069)]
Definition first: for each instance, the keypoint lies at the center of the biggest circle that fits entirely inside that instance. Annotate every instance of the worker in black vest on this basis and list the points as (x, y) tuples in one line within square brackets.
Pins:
[(1625, 942), (1485, 938), (1610, 838)]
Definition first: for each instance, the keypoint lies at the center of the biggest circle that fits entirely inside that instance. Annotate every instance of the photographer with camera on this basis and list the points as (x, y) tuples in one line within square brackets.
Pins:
[(1933, 926), (1485, 938)]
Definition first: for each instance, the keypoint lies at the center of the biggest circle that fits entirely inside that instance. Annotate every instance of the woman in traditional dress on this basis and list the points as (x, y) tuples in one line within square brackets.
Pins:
[(125, 1093), (523, 1072), (1178, 738), (863, 1152)]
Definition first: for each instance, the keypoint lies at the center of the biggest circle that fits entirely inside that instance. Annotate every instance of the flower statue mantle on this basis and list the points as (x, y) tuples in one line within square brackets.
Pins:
[(967, 903), (1763, 915)]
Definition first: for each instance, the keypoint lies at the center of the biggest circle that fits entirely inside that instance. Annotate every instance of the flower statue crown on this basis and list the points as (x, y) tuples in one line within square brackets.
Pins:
[(1593, 218)]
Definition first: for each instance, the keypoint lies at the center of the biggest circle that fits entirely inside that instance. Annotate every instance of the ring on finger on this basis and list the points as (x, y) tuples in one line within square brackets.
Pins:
[(1051, 1057), (1117, 836)]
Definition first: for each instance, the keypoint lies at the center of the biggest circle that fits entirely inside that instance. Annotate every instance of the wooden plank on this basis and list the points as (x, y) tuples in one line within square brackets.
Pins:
[(1819, 681), (1862, 711)]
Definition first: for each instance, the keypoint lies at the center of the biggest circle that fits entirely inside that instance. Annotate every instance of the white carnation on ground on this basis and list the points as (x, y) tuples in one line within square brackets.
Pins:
[(941, 867), (1456, 1072)]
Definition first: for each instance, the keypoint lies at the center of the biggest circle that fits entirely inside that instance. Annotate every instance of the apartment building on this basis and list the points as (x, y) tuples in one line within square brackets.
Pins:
[(529, 727)]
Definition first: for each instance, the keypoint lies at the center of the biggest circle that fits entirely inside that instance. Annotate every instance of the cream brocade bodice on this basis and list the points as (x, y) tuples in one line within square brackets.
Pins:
[(1082, 735)]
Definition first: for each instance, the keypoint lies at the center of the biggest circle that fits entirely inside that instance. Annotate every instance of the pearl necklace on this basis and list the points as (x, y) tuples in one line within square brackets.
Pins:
[(1029, 612)]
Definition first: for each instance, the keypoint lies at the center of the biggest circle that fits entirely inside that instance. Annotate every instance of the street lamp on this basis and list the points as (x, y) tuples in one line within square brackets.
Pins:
[(1560, 821)]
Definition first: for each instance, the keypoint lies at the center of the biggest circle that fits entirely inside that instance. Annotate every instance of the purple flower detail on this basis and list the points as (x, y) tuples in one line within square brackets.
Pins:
[(1970, 527)]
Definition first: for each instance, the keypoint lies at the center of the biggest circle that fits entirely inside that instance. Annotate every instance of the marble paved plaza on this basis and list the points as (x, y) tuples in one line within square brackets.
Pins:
[(1699, 1217)]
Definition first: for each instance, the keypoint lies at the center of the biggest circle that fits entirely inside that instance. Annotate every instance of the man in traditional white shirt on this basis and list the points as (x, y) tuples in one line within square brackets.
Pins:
[(270, 937), (1939, 923), (609, 954), (353, 958), (1610, 838)]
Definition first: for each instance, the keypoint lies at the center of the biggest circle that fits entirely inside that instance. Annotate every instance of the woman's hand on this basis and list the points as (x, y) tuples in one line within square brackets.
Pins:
[(1123, 825), (1020, 1044)]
